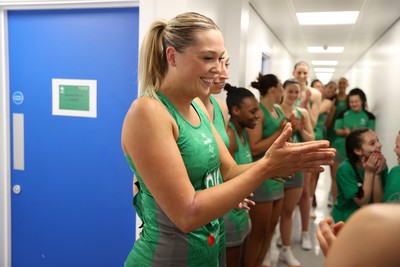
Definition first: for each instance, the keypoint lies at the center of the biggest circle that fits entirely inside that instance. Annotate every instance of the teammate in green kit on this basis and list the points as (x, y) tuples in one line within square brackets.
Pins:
[(356, 116), (340, 105), (178, 158), (244, 113), (327, 93), (269, 196), (392, 187), (361, 177), (310, 99), (293, 187)]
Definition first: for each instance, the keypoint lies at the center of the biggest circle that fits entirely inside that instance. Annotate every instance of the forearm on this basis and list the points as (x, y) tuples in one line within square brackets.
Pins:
[(235, 170), (307, 135), (213, 202), (367, 188), (377, 189)]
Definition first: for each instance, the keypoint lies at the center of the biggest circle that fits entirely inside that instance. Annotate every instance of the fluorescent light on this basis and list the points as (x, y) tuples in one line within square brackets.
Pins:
[(324, 62), (326, 49), (327, 18), (324, 77), (324, 69)]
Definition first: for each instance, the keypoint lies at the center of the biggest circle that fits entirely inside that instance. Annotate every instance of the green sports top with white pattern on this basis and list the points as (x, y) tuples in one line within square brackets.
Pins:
[(219, 121), (161, 243), (269, 190), (237, 223)]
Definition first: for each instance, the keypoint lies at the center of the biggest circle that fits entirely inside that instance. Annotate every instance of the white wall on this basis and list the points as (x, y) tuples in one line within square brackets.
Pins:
[(262, 40), (246, 36), (377, 72)]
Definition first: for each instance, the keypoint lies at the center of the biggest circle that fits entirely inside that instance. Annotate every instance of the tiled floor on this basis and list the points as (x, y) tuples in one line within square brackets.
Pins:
[(314, 257)]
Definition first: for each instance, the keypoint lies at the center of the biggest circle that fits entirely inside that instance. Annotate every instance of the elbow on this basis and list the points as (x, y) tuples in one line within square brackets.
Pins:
[(188, 220)]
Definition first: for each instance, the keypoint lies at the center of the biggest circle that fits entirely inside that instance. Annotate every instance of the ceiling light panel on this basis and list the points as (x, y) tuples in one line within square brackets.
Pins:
[(325, 49), (324, 70), (324, 62), (327, 18)]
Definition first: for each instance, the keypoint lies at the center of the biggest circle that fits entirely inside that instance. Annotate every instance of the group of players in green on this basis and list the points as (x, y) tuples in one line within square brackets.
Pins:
[(276, 162)]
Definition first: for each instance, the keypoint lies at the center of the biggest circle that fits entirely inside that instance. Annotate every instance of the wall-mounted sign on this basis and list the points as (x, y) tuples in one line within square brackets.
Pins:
[(18, 97), (75, 97)]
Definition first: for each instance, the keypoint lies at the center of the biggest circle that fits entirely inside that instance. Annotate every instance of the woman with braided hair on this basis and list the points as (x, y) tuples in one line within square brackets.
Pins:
[(360, 177)]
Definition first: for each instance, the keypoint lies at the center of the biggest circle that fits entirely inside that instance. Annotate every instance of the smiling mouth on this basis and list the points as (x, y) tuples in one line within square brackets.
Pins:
[(219, 85), (208, 81)]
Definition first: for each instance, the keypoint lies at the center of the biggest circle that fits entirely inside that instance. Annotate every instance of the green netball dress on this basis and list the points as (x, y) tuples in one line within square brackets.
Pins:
[(269, 190), (161, 243), (351, 119), (319, 131), (346, 180), (392, 187), (298, 179), (237, 222), (341, 106), (219, 121)]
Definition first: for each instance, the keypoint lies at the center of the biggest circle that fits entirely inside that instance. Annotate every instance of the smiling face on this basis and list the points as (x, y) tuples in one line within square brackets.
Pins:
[(330, 90), (301, 73), (248, 113), (397, 148), (219, 82), (318, 85), (198, 65), (355, 103), (370, 144), (291, 93)]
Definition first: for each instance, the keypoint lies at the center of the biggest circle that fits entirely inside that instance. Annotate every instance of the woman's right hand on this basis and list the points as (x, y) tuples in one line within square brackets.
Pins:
[(285, 159), (372, 163), (327, 233)]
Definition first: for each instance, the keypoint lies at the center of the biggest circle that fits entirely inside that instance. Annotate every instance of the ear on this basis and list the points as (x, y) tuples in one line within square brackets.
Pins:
[(235, 111), (358, 151), (171, 55)]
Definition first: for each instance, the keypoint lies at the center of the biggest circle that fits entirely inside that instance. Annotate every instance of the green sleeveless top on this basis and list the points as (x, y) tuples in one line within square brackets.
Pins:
[(296, 135), (237, 224), (161, 243), (219, 121), (243, 153), (269, 190), (319, 127)]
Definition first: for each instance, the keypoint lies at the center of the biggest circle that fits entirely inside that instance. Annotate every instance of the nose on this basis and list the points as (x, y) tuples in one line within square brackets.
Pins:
[(216, 68)]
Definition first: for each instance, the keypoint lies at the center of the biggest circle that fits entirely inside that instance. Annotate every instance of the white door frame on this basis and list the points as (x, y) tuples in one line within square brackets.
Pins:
[(5, 162)]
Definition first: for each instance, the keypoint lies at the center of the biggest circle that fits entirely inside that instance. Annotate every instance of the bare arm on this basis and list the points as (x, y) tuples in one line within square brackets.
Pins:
[(258, 145), (316, 99), (146, 136), (307, 133)]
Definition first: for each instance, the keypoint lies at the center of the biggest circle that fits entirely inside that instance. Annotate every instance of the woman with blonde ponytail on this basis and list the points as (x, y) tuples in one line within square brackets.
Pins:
[(178, 158)]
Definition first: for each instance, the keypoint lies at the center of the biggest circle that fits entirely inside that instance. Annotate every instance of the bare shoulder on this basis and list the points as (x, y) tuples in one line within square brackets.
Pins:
[(145, 115), (202, 106)]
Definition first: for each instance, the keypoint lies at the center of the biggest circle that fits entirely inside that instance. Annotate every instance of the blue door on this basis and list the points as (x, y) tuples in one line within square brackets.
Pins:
[(71, 204)]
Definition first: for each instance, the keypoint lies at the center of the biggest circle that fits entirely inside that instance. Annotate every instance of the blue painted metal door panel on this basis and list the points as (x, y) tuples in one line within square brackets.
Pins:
[(74, 208)]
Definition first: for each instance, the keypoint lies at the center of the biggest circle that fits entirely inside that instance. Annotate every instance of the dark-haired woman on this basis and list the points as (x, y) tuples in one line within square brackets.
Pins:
[(356, 116), (361, 176), (269, 196), (244, 114), (294, 187)]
